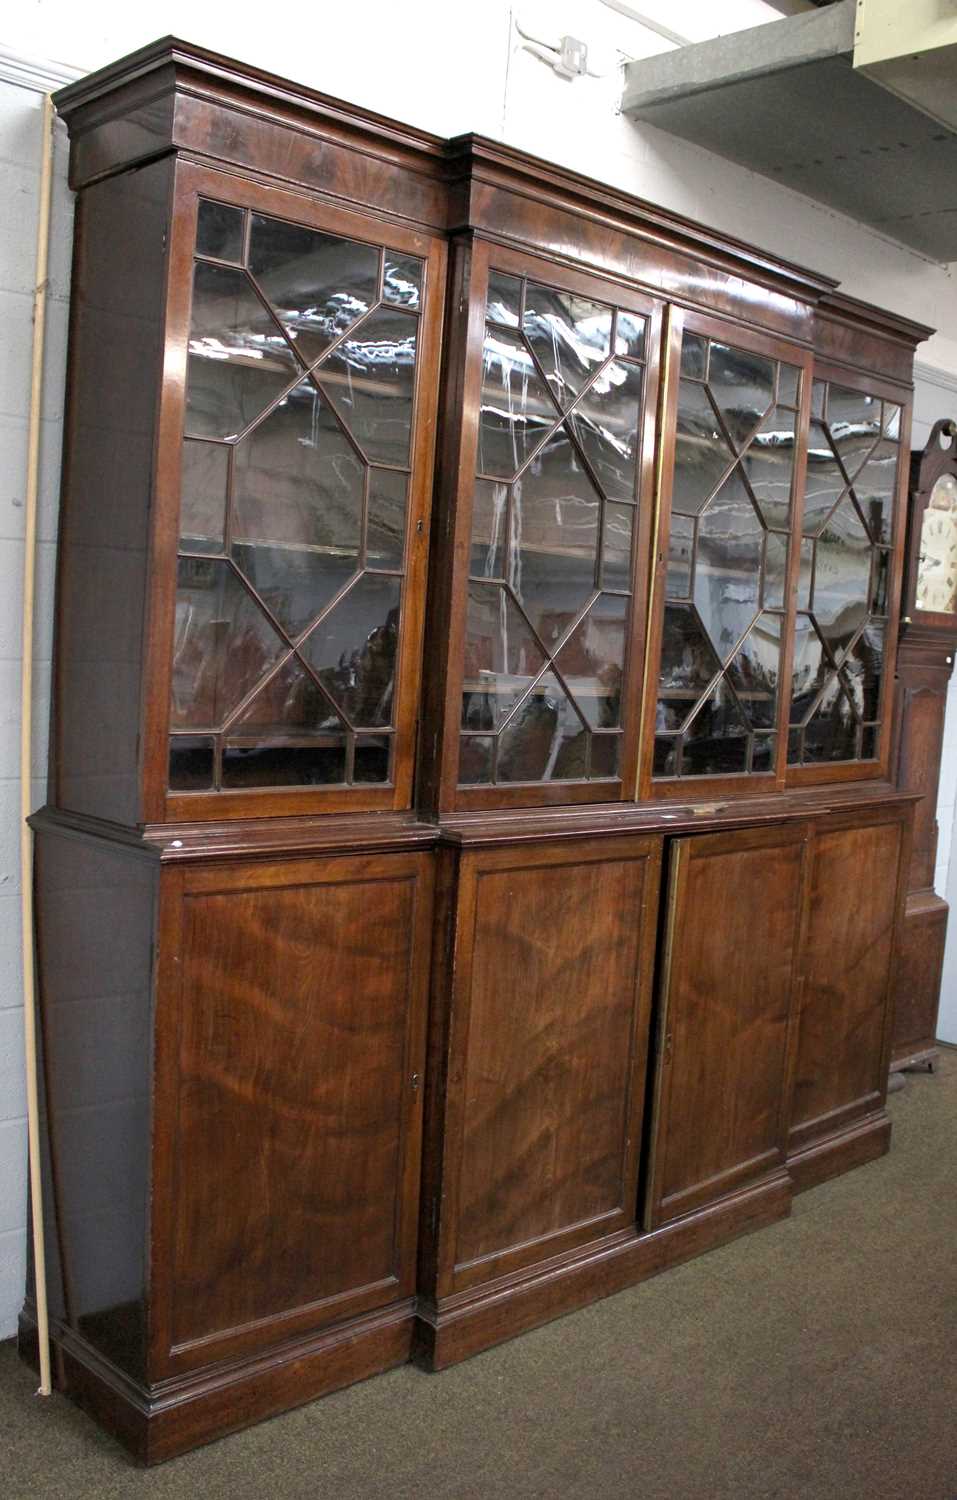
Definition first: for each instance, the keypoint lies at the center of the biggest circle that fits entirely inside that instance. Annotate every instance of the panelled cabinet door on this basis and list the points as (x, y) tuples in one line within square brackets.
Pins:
[(726, 1026), (290, 1048), (856, 894), (547, 1052), (294, 493)]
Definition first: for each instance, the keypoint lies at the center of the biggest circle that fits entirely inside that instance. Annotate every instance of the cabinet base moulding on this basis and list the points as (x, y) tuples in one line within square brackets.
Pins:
[(158, 1424), (835, 1154), (459, 1326)]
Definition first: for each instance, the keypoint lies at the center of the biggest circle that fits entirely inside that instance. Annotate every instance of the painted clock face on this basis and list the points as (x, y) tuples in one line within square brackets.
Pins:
[(937, 568)]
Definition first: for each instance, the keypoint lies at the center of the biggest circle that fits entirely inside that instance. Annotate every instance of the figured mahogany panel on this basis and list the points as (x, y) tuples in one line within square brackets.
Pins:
[(734, 920), (297, 1065), (852, 922), (548, 1048)]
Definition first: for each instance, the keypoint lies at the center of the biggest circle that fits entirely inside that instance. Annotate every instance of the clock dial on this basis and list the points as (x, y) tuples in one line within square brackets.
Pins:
[(937, 567)]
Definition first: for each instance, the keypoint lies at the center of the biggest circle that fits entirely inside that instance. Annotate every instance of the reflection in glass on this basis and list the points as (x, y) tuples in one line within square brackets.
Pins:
[(742, 384), (385, 525), (824, 483), (769, 466), (517, 409), (319, 284), (203, 485), (753, 672), (552, 561), (694, 356), (546, 739), (789, 377), (875, 489), (489, 522), (775, 569), (502, 657), (290, 702), (475, 759), (239, 361), (605, 422), (504, 303), (688, 665), (369, 379), (702, 455), (297, 508), (727, 578), (219, 230), (715, 743), (246, 766), (372, 757), (863, 671), (592, 661), (831, 731), (680, 553), (223, 644), (402, 282), (353, 650), (569, 335), (616, 547), (630, 335)]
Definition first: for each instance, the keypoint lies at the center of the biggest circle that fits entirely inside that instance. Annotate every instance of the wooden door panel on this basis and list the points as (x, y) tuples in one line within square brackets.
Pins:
[(551, 1048), (301, 1026), (853, 913), (734, 920)]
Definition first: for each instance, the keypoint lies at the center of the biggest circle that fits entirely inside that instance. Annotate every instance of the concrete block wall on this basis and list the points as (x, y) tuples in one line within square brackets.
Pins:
[(447, 68)]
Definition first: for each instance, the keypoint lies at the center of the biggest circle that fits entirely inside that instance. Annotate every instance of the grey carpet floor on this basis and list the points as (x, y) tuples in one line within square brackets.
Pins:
[(816, 1358)]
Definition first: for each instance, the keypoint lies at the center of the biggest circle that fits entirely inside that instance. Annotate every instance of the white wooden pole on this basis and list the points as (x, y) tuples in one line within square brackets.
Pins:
[(26, 738)]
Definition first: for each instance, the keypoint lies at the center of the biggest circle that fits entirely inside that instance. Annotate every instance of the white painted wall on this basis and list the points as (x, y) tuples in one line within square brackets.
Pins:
[(446, 67)]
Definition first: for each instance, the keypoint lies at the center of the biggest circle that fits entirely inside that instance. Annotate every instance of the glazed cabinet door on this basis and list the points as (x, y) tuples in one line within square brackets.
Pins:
[(294, 479), (858, 871), (727, 1011), (290, 1041), (547, 1043)]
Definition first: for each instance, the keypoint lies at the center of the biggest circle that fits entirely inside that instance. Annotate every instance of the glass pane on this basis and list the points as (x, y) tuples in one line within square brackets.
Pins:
[(504, 303), (805, 571), (818, 398), (352, 651), (853, 414), (762, 752), (937, 563), (824, 483), (665, 756), (190, 763), (297, 508), (789, 377), (831, 733), (239, 362), (223, 644), (769, 466), (775, 570), (489, 521), (517, 409), (870, 740), (372, 756), (863, 671), (546, 740), (842, 572), (881, 578), (501, 657), (875, 489), (892, 421), (322, 763), (219, 230), (753, 673), (203, 493), (290, 704), (616, 547), (318, 284), (727, 576), (570, 337), (630, 335), (742, 385), (592, 661), (475, 759), (385, 527), (702, 455), (369, 379), (605, 756), (554, 553), (716, 741), (688, 664), (694, 356), (605, 422), (810, 670), (795, 747), (680, 548), (402, 284)]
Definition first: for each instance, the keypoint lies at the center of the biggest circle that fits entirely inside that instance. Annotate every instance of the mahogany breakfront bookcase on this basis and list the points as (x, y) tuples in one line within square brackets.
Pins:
[(473, 867)]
